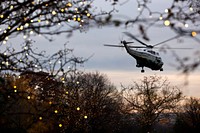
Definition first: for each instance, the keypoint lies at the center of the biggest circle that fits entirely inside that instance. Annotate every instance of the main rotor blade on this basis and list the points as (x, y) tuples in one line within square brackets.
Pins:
[(129, 42), (109, 45), (130, 35), (176, 48), (166, 40)]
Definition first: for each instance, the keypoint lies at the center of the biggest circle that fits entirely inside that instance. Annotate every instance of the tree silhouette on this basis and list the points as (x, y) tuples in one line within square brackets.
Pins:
[(43, 17), (188, 118), (79, 102), (93, 95), (149, 99), (38, 17), (45, 92)]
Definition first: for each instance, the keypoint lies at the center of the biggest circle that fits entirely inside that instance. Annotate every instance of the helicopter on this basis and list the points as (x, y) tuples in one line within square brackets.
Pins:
[(145, 55)]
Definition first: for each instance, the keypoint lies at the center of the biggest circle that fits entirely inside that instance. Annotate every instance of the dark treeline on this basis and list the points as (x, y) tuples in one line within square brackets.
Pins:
[(87, 102)]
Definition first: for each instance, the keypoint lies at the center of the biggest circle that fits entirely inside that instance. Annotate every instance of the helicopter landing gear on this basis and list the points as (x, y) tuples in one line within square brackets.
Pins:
[(142, 71), (161, 69)]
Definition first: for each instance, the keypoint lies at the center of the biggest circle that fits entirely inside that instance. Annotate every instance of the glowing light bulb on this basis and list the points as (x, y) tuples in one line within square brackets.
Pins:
[(27, 24), (186, 25), (4, 42), (14, 86), (7, 63), (40, 118), (160, 17), (166, 10), (53, 12), (11, 7), (21, 27), (78, 108), (85, 117), (60, 125), (62, 10), (56, 111), (66, 92), (166, 22), (69, 4), (47, 22), (79, 19), (194, 33), (2, 16), (28, 97), (24, 36), (50, 102), (15, 91), (88, 14)]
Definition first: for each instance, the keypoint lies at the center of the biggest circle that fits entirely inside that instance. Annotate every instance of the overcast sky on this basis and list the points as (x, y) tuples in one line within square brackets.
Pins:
[(115, 62), (118, 65)]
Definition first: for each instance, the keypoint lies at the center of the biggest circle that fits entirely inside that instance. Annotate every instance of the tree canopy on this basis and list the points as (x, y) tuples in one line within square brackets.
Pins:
[(149, 99)]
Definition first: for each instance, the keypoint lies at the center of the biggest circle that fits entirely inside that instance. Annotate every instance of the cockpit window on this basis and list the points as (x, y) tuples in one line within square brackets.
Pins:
[(153, 52)]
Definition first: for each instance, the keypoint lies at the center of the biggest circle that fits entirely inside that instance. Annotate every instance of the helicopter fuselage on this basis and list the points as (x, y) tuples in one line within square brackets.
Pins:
[(144, 55), (145, 58)]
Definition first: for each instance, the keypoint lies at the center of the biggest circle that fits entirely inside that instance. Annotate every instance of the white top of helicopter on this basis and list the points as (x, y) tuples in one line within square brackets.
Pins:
[(148, 51)]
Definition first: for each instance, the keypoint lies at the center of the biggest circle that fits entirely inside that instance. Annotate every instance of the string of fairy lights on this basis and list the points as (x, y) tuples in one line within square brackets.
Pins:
[(74, 11), (167, 21), (31, 95), (67, 12), (76, 16)]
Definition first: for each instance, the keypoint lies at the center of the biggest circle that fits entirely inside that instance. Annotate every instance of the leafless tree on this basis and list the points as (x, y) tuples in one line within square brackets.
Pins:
[(91, 94), (39, 17), (188, 117), (44, 16), (31, 59), (149, 99), (85, 102)]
